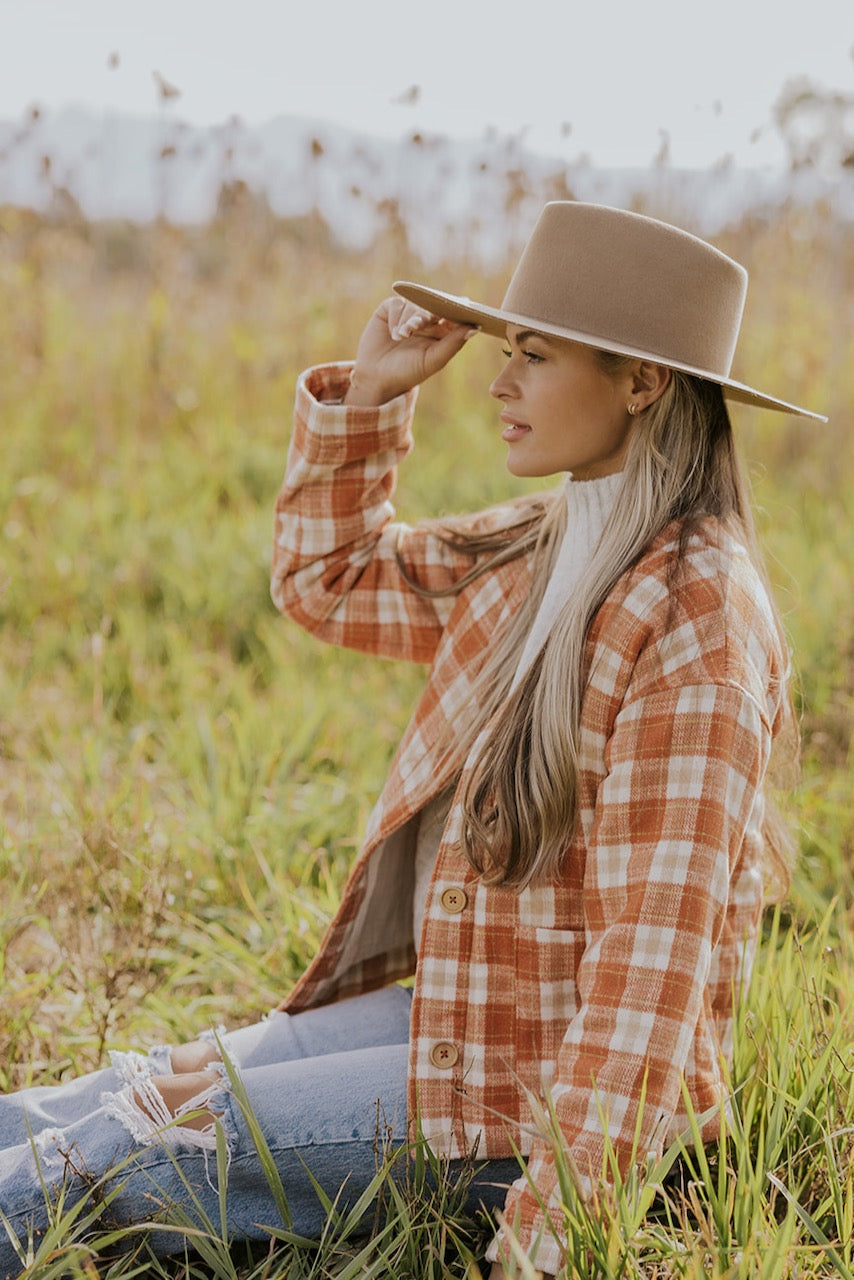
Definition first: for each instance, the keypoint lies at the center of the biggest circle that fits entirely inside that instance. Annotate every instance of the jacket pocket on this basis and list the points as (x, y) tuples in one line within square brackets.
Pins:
[(547, 995)]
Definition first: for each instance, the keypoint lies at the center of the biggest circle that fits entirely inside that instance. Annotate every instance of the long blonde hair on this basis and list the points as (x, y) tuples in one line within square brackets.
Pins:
[(520, 800)]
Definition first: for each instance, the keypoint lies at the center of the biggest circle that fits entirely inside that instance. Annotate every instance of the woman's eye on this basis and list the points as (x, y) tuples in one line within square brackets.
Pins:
[(531, 356)]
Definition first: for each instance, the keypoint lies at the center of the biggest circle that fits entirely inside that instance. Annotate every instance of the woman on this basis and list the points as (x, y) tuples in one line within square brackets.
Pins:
[(569, 851)]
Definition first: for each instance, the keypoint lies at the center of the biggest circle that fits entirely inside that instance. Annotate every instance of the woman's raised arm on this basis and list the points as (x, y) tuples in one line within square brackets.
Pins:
[(342, 568)]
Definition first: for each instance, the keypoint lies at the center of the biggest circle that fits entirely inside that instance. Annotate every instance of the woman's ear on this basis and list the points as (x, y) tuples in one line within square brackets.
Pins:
[(649, 381)]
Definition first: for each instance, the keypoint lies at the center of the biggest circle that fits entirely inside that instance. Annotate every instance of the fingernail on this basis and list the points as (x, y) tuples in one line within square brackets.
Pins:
[(471, 331)]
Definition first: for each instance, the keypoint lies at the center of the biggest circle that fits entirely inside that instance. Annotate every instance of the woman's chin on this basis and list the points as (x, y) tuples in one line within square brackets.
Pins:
[(524, 468)]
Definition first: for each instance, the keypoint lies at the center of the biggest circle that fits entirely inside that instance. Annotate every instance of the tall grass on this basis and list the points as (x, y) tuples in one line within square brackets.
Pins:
[(184, 776)]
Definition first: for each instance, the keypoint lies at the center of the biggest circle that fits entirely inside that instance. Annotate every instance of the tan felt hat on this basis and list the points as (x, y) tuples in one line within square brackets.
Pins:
[(622, 282)]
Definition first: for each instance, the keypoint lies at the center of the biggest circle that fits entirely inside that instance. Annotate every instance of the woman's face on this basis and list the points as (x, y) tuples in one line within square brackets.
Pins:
[(562, 411)]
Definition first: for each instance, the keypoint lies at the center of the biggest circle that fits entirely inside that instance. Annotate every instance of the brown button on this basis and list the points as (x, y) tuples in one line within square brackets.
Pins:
[(444, 1054), (453, 900)]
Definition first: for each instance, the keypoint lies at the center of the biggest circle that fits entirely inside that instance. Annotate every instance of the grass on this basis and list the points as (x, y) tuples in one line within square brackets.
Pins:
[(184, 776)]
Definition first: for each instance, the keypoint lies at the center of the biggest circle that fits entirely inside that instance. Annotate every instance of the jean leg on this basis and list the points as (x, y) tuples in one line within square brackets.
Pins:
[(380, 1017), (52, 1106), (318, 1114), (328, 1116)]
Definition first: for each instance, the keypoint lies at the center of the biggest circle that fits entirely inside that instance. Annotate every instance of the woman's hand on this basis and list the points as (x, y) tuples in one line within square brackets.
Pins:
[(400, 347)]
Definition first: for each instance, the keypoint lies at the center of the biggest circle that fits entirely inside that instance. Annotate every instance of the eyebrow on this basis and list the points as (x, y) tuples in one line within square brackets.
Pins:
[(524, 334)]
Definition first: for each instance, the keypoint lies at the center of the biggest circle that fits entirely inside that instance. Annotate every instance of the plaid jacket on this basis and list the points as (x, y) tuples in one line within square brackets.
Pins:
[(617, 981)]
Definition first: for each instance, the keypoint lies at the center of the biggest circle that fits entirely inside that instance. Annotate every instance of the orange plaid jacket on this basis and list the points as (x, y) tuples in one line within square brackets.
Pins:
[(617, 981)]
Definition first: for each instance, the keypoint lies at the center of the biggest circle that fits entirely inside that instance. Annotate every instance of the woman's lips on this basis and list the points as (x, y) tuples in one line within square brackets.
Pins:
[(514, 430)]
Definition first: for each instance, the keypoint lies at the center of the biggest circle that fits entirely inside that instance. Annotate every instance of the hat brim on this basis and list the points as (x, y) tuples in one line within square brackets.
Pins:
[(494, 321)]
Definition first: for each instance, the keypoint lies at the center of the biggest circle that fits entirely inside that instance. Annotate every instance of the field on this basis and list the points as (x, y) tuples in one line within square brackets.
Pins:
[(184, 776)]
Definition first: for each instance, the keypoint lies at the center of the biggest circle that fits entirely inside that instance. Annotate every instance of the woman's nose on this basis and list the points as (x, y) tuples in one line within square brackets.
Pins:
[(500, 386)]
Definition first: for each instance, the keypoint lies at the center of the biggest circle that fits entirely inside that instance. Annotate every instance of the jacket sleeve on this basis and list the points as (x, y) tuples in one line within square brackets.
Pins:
[(683, 768), (337, 551)]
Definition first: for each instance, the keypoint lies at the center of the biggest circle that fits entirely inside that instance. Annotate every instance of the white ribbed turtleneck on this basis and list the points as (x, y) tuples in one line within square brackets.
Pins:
[(589, 503)]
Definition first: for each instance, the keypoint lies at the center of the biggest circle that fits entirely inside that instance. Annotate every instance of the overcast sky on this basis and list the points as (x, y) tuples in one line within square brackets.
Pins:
[(617, 71)]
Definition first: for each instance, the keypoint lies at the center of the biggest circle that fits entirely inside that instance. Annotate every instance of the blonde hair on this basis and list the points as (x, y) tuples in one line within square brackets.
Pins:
[(520, 800)]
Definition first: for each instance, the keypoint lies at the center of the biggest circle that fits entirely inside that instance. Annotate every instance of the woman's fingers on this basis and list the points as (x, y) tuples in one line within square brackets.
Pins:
[(451, 339), (434, 329), (411, 324), (405, 320), (413, 320)]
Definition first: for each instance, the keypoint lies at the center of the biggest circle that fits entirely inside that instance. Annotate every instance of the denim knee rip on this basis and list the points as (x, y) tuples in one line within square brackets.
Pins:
[(49, 1145), (215, 1036), (140, 1109)]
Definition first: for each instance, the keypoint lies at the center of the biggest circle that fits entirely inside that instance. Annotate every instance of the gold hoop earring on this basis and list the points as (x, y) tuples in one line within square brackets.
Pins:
[(633, 409)]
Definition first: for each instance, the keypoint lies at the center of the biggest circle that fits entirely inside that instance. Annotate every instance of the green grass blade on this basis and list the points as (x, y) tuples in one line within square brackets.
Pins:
[(813, 1228)]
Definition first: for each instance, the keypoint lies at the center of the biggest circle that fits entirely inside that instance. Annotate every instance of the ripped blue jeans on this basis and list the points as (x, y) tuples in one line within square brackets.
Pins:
[(318, 1084)]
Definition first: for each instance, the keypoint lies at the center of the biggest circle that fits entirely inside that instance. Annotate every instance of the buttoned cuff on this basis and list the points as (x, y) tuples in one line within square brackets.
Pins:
[(331, 433)]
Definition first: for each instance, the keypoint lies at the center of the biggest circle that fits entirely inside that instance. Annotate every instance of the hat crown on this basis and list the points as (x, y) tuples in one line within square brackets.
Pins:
[(630, 283)]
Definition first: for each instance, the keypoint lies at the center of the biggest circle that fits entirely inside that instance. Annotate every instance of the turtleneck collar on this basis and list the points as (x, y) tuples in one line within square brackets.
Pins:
[(589, 504)]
